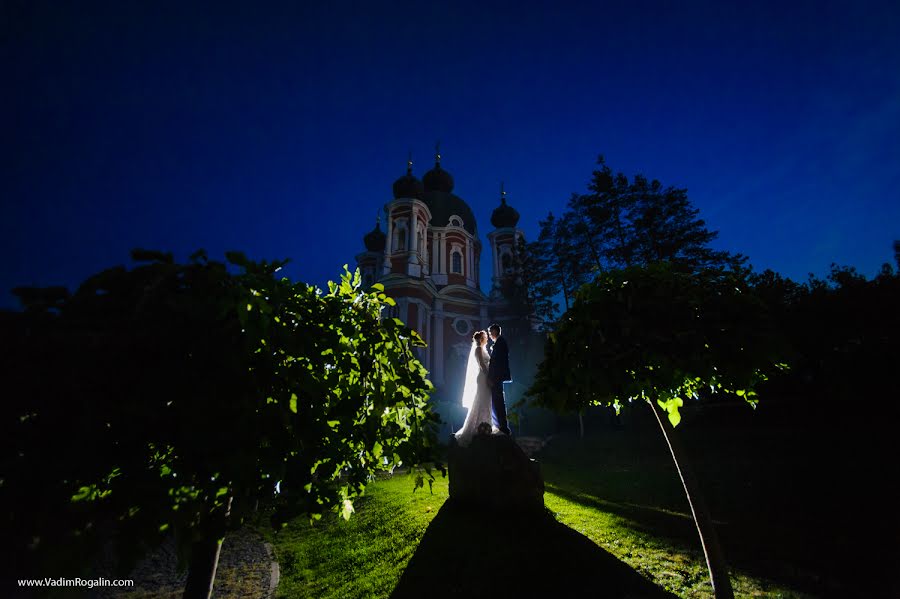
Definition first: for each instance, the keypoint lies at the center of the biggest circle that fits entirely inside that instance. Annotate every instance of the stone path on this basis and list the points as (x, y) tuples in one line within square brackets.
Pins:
[(247, 568)]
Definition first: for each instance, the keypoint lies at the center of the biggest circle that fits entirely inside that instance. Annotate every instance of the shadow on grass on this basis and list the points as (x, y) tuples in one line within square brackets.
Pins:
[(475, 553), (767, 550), (677, 529)]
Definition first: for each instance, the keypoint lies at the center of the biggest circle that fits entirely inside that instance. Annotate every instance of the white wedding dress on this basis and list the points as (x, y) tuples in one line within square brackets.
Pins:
[(476, 396)]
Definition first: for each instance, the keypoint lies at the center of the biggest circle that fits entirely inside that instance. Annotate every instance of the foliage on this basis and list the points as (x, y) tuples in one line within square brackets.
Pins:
[(618, 223), (552, 266), (843, 333), (658, 333), (604, 217), (156, 399)]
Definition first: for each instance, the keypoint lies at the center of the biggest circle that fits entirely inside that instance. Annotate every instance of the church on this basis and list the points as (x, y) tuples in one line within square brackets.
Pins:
[(429, 261)]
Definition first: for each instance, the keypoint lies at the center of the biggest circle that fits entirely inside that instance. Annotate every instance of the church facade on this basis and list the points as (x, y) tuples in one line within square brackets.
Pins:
[(429, 261)]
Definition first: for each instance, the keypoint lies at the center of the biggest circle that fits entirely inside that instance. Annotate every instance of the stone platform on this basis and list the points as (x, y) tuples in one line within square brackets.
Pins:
[(494, 472)]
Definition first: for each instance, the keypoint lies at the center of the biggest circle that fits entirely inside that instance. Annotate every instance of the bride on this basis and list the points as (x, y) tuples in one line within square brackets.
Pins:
[(476, 392)]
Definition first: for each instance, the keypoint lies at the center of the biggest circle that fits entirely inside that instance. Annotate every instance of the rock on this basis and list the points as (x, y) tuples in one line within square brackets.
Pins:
[(494, 472), (532, 445)]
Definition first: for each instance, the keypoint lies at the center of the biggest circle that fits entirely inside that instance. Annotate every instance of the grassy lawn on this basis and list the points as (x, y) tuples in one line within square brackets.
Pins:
[(800, 514), (362, 557)]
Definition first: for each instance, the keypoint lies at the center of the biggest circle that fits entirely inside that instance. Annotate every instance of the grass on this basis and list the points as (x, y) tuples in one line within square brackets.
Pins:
[(801, 513), (362, 557)]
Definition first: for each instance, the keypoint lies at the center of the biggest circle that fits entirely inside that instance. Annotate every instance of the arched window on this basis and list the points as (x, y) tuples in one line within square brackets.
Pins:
[(457, 263), (506, 260), (401, 239)]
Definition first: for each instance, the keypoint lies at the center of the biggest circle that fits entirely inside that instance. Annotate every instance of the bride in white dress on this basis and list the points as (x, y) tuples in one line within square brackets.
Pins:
[(476, 391)]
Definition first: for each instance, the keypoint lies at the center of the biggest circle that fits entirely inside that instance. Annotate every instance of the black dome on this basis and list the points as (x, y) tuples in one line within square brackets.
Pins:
[(504, 215), (443, 205), (408, 186), (375, 239), (437, 179)]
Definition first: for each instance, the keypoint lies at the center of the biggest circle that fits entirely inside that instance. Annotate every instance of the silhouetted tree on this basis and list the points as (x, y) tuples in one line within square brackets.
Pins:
[(553, 266), (534, 283), (667, 229), (603, 219), (620, 223), (844, 333)]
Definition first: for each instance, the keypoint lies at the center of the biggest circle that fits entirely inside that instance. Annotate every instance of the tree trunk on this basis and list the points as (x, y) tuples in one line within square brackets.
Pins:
[(202, 571), (205, 557), (581, 424), (715, 559)]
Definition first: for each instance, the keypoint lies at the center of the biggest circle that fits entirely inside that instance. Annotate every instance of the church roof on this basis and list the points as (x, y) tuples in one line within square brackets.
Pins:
[(437, 179), (408, 186), (444, 204), (504, 215), (375, 239), (441, 202)]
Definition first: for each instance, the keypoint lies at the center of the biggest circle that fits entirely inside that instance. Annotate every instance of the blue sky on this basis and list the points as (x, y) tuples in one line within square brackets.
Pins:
[(278, 129)]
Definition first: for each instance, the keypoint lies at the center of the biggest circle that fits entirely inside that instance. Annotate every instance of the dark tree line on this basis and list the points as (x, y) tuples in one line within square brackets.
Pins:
[(843, 334)]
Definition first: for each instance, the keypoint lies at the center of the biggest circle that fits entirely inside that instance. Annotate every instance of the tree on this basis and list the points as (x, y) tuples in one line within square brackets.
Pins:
[(567, 266), (662, 334), (532, 266), (603, 219), (668, 228), (171, 398), (843, 332), (550, 266), (617, 224)]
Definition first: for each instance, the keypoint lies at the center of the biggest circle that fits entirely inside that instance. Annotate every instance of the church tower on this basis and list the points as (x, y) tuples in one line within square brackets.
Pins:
[(504, 240)]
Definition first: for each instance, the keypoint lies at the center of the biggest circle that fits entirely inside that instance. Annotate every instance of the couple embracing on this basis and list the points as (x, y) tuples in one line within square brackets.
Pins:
[(483, 390)]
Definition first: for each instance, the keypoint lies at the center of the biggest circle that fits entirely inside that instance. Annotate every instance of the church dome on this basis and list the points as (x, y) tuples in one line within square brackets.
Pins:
[(443, 205), (437, 179), (375, 239), (408, 186), (504, 215)]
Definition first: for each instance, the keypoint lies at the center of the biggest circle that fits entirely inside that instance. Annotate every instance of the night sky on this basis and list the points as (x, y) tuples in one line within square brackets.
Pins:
[(278, 129)]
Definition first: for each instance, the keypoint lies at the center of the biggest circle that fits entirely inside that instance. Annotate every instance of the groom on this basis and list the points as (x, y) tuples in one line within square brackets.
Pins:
[(498, 373)]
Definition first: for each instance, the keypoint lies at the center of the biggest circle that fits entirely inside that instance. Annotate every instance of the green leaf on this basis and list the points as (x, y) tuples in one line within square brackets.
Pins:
[(346, 509), (292, 405), (671, 407), (674, 417)]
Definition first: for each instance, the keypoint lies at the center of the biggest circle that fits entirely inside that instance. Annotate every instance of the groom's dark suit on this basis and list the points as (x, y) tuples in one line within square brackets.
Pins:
[(498, 373)]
